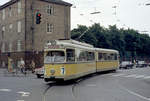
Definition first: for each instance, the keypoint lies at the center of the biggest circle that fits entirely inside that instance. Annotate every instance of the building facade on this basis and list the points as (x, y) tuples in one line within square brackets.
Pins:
[(21, 37)]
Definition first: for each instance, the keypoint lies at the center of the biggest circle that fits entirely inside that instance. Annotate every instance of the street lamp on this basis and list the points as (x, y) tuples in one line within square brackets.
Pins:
[(95, 12), (147, 4)]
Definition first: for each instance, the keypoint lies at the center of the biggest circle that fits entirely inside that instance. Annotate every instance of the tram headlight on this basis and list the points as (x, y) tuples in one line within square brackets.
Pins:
[(52, 71)]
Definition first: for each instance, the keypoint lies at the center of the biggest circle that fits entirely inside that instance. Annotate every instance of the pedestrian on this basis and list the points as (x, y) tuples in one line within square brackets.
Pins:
[(22, 66), (12, 66), (9, 64), (33, 66)]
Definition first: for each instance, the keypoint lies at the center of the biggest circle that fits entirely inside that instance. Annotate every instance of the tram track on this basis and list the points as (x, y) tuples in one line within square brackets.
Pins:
[(46, 90), (74, 93)]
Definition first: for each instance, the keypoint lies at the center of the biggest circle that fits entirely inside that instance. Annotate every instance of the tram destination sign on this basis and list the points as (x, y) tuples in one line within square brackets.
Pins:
[(53, 46)]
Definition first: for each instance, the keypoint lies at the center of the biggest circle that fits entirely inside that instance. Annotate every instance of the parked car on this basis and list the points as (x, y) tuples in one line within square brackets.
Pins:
[(126, 65), (39, 72), (141, 64)]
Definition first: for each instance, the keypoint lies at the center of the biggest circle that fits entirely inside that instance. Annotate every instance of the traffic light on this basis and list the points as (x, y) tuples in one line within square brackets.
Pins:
[(38, 18)]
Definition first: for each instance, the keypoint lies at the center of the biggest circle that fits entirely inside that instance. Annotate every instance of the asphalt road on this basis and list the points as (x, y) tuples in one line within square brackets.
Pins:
[(124, 85)]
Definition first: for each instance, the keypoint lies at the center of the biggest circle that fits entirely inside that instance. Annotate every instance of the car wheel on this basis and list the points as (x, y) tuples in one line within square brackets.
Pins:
[(46, 80), (38, 76)]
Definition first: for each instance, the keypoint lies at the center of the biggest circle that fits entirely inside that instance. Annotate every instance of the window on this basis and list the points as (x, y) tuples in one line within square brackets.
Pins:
[(19, 26), (19, 45), (3, 47), (90, 56), (19, 7), (116, 57), (10, 26), (54, 57), (70, 55), (82, 56), (3, 31), (3, 28), (50, 9), (100, 56), (10, 11), (3, 16), (10, 47), (49, 28)]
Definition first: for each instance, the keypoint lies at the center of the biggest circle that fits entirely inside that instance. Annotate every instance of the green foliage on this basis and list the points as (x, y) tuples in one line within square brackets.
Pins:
[(129, 42)]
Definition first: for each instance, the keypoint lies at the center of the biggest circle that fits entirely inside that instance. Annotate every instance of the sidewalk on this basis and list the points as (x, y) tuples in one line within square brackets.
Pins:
[(19, 74)]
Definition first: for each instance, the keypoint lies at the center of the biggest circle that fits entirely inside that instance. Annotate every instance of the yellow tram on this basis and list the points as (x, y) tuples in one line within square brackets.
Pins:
[(70, 59)]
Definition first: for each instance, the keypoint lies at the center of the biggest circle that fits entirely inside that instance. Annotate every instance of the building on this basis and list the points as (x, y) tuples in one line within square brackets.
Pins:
[(22, 37)]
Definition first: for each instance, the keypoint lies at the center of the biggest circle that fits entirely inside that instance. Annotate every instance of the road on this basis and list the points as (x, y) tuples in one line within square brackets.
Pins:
[(124, 85)]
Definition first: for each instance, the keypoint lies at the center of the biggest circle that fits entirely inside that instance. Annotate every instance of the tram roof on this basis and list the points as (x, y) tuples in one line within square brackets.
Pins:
[(77, 44), (73, 43), (106, 50)]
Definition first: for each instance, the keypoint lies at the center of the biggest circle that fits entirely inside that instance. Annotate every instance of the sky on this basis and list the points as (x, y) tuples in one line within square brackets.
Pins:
[(124, 13)]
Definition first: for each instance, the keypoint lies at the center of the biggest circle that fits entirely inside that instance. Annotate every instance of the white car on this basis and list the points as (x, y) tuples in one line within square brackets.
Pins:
[(39, 72), (126, 65), (141, 64)]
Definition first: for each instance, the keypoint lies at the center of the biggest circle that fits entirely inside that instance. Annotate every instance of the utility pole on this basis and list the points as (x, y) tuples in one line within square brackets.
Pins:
[(32, 27)]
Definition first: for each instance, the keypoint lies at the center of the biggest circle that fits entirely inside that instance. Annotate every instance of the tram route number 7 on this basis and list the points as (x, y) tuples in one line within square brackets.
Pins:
[(63, 71)]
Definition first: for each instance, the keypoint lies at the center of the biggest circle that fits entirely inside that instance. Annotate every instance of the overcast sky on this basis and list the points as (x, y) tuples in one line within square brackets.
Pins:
[(128, 13)]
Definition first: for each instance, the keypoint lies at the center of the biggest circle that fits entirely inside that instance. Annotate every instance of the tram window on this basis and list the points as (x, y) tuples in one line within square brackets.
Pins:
[(100, 56), (109, 57), (70, 55), (116, 57), (54, 56), (83, 56), (105, 56), (91, 56)]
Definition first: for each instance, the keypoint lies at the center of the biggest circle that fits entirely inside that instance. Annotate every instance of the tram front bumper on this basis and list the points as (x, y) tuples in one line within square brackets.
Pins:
[(54, 78)]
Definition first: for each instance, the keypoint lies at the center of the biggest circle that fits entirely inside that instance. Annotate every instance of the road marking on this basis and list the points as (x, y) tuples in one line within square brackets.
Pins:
[(91, 85), (136, 94), (24, 94), (118, 75), (20, 100), (147, 77), (5, 90), (133, 75), (140, 76)]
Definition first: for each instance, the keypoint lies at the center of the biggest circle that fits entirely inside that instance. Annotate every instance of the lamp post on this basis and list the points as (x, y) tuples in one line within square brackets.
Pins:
[(148, 4)]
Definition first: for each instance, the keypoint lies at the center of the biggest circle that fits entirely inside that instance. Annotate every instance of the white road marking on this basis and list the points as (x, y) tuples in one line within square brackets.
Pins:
[(133, 75), (24, 94), (140, 76), (91, 85), (118, 75), (20, 100), (147, 77), (136, 94), (5, 90)]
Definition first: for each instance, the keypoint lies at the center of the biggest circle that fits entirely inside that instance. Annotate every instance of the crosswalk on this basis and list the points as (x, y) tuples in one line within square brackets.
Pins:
[(136, 76)]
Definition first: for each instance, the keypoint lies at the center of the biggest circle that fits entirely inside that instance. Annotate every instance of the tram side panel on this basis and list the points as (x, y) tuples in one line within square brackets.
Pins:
[(69, 71), (106, 61), (106, 65)]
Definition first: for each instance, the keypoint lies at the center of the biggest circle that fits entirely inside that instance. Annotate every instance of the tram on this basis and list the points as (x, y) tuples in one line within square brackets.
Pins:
[(70, 59)]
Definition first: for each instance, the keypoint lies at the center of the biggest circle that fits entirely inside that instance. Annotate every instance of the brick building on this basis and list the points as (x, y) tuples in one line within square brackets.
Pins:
[(21, 37)]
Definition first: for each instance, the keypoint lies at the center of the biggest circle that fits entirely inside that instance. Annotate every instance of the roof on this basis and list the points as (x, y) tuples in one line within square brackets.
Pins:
[(8, 3), (70, 43), (106, 50), (77, 44), (59, 2)]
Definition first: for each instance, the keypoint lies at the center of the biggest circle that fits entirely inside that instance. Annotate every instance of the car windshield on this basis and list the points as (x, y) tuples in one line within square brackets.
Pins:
[(54, 57)]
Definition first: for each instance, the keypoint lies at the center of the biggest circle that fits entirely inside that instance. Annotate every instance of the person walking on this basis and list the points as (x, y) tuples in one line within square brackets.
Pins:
[(10, 69), (22, 66), (33, 66)]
